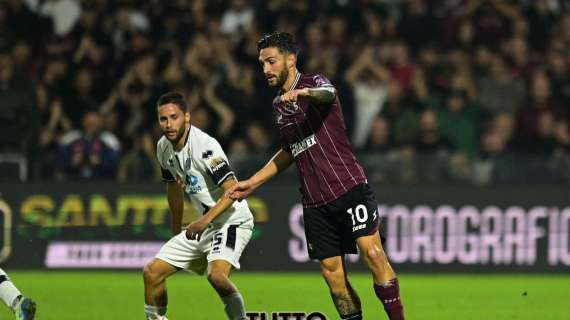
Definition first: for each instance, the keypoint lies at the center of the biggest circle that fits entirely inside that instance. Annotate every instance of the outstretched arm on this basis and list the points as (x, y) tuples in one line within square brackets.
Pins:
[(320, 95), (279, 162)]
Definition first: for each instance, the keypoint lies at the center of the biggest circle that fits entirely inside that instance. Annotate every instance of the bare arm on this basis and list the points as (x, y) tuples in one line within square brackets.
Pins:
[(324, 95), (367, 62), (355, 70), (175, 196), (279, 162), (224, 202)]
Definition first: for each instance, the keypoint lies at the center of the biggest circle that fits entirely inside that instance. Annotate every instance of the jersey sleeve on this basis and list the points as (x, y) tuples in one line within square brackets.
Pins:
[(320, 81), (166, 174), (323, 92), (216, 162)]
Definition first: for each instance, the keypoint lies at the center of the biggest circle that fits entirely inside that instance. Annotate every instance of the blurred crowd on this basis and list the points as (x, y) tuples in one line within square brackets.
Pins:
[(467, 91)]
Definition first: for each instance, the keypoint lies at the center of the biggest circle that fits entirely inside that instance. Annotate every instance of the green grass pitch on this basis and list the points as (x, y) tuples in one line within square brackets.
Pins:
[(104, 295)]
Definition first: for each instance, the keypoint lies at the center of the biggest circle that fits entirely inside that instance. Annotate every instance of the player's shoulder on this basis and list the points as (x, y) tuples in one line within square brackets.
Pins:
[(163, 146), (200, 138), (202, 142), (316, 79)]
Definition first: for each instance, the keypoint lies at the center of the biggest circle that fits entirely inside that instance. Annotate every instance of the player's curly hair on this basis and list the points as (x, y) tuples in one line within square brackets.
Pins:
[(173, 97), (283, 41)]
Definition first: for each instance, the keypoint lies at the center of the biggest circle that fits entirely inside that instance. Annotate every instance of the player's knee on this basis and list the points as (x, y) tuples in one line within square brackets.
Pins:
[(150, 275), (217, 279), (147, 272), (335, 278), (374, 256)]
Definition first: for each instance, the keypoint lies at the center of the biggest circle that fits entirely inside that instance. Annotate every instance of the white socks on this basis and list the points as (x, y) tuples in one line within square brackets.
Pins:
[(8, 291), (234, 306), (154, 312)]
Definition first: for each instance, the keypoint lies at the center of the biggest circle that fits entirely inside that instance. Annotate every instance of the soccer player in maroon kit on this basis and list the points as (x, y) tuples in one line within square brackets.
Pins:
[(339, 209)]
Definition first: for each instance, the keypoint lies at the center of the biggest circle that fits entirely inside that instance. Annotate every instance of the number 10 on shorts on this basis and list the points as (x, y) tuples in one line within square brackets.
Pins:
[(359, 215)]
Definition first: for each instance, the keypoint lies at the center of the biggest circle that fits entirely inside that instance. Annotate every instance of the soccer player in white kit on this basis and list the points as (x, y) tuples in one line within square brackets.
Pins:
[(24, 308), (194, 162)]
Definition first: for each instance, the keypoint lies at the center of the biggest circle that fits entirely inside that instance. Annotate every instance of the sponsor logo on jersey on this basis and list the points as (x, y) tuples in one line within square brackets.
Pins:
[(218, 164), (206, 154), (303, 145), (192, 184)]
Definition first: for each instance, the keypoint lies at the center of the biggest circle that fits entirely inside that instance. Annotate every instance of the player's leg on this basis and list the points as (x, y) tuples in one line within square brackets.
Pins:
[(386, 284), (24, 308), (372, 252), (155, 296), (227, 245), (323, 230), (177, 254), (219, 278), (345, 299), (363, 223)]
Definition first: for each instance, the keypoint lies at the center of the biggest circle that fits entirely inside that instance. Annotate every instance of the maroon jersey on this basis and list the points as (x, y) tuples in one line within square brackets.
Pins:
[(316, 137)]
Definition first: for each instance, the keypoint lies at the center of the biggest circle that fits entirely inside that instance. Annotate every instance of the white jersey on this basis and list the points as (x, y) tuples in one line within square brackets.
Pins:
[(203, 166)]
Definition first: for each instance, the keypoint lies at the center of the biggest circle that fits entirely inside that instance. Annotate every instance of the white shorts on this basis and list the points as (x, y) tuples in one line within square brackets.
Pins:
[(225, 242)]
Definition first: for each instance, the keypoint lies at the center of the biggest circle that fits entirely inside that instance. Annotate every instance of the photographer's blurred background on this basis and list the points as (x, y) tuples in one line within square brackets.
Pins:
[(434, 92)]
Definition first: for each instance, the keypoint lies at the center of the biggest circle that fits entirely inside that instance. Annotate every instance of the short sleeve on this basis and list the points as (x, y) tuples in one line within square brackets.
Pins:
[(320, 81), (166, 174), (216, 162)]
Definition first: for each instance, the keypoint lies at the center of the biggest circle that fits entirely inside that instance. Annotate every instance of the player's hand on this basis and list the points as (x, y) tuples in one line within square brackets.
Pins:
[(240, 190), (292, 95), (195, 229)]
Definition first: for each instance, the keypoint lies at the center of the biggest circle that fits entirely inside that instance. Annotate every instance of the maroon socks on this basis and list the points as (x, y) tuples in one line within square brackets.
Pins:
[(389, 295)]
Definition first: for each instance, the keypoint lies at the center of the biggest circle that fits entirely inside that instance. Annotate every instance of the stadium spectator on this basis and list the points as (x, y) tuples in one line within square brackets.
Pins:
[(400, 113), (541, 101), (89, 153), (54, 124), (18, 119), (500, 91), (63, 13), (237, 19), (459, 122), (429, 140), (369, 82), (139, 164), (379, 139), (492, 50)]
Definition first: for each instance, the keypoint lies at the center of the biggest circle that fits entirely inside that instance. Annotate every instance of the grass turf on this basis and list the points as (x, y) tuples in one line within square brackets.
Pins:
[(79, 295)]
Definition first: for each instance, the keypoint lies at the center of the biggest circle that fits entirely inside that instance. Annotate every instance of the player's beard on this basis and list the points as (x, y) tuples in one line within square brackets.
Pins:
[(179, 135), (281, 78)]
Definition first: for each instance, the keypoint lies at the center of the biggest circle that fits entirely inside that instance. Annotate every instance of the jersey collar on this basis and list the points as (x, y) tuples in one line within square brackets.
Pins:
[(293, 85), (185, 140)]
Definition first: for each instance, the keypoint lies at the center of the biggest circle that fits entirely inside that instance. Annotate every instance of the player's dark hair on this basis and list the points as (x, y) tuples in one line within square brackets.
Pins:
[(283, 41), (172, 97)]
